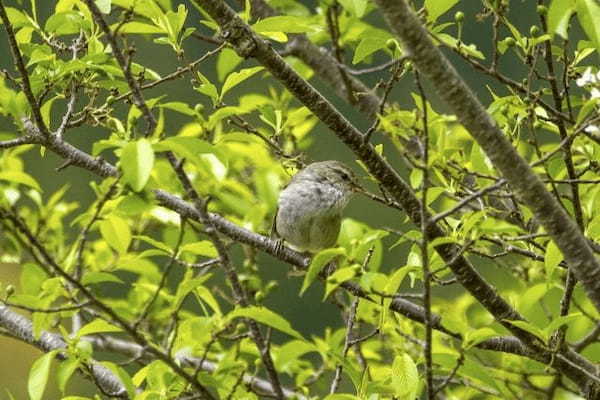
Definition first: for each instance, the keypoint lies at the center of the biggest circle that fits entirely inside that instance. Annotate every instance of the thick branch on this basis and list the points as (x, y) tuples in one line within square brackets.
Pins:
[(248, 44), (326, 67), (134, 85), (22, 329), (18, 59), (263, 243), (471, 113)]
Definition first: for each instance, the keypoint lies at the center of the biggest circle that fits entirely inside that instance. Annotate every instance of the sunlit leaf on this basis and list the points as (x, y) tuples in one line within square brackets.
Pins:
[(97, 326), (552, 258), (103, 6), (559, 14), (317, 263), (284, 23), (435, 8), (38, 375), (20, 177), (366, 47), (588, 14), (235, 78), (405, 376), (267, 317), (116, 232), (137, 160)]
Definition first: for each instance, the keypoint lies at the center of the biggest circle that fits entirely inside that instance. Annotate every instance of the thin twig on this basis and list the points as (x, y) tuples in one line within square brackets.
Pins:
[(25, 83), (49, 310), (480, 193), (165, 275), (347, 343), (425, 223)]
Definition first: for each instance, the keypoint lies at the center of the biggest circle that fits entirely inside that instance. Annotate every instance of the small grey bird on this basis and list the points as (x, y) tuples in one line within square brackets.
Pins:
[(310, 207)]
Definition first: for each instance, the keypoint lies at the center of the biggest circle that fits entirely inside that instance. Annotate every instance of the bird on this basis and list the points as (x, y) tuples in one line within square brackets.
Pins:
[(309, 212)]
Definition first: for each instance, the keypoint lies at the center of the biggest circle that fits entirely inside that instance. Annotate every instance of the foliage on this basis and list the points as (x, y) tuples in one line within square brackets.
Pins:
[(138, 274)]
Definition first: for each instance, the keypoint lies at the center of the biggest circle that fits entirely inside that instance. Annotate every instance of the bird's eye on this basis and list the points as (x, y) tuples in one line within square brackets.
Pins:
[(346, 177)]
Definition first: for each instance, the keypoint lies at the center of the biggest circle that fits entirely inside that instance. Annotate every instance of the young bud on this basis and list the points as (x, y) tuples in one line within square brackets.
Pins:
[(391, 44), (534, 30)]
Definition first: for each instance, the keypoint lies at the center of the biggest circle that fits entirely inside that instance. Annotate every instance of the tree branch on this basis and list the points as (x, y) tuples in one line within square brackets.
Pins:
[(26, 84), (471, 113), (21, 328)]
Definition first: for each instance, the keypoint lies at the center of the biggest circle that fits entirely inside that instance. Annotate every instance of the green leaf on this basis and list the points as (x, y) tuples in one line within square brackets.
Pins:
[(180, 107), (451, 41), (38, 375), (391, 287), (552, 258), (103, 6), (99, 277), (531, 297), (405, 377), (284, 23), (593, 228), (140, 375), (32, 278), (560, 321), (341, 396), (473, 338), (154, 243), (97, 326), (338, 277), (534, 330), (65, 23), (116, 232), (588, 14), (589, 106), (137, 160), (373, 281), (416, 178), (41, 322), (208, 89), (202, 248), (289, 353), (493, 225), (227, 61), (235, 78), (478, 372), (435, 8), (349, 368), (559, 14), (65, 371), (137, 27), (139, 265), (18, 18), (267, 317), (186, 287), (46, 109), (206, 296), (317, 263), (366, 47), (356, 7), (189, 148), (21, 178), (147, 8), (223, 113)]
